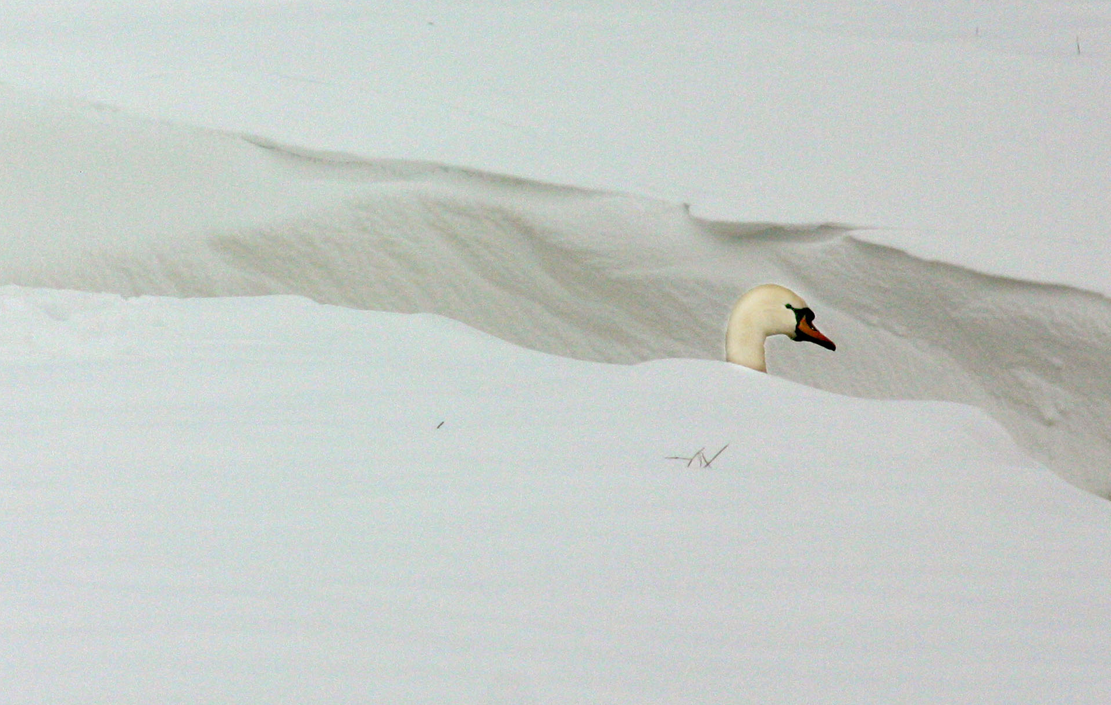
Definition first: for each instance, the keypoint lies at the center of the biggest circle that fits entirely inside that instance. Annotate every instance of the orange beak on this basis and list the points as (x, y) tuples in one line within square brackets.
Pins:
[(806, 331)]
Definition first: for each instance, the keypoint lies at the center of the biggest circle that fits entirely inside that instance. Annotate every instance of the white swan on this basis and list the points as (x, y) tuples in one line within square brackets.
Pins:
[(769, 309)]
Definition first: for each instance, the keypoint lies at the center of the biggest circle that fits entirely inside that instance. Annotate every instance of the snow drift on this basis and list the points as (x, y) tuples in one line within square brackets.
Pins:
[(271, 501), (99, 201), (972, 129)]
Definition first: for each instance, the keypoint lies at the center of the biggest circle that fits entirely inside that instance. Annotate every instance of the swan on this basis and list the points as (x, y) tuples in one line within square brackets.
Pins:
[(769, 309)]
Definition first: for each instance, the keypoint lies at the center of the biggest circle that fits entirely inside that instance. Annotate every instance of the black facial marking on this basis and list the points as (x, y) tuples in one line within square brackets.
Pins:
[(802, 314)]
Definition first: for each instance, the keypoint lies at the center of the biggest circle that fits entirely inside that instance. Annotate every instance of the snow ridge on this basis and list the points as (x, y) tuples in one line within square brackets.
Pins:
[(592, 275), (265, 500)]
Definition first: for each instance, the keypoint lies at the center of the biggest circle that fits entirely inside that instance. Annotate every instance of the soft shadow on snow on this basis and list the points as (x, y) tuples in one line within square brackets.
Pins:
[(883, 113), (268, 500), (105, 202)]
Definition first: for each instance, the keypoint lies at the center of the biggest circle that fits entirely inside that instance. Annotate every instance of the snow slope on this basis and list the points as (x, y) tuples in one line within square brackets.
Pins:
[(271, 501), (152, 208), (969, 132)]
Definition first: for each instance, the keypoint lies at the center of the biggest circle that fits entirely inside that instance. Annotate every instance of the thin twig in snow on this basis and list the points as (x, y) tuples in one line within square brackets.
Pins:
[(700, 456)]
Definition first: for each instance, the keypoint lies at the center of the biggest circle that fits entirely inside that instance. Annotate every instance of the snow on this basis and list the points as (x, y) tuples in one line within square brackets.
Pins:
[(260, 445), (972, 150), (334, 505), (594, 275)]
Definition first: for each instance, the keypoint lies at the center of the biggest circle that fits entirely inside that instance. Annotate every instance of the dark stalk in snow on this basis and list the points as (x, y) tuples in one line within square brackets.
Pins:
[(700, 456)]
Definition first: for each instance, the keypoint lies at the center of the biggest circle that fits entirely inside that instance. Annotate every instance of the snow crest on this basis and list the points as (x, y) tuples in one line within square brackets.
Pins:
[(265, 500), (578, 273)]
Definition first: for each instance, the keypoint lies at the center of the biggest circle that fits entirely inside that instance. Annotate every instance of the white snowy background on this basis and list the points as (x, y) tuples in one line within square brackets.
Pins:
[(327, 494)]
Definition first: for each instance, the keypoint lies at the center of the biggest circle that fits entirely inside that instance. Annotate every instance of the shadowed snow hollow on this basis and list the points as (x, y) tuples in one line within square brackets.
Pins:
[(97, 201)]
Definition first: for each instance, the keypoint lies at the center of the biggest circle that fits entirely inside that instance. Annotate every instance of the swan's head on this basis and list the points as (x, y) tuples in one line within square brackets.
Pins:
[(767, 310)]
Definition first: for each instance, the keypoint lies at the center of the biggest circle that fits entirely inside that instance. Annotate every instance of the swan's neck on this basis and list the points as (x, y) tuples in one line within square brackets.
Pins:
[(744, 345)]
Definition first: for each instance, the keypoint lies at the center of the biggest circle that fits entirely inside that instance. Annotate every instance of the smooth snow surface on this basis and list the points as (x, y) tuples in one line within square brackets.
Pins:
[(966, 131), (248, 498), (602, 276), (272, 501)]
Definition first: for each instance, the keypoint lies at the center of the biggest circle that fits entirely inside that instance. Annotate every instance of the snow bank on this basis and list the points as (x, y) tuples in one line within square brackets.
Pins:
[(103, 202), (971, 132), (270, 501)]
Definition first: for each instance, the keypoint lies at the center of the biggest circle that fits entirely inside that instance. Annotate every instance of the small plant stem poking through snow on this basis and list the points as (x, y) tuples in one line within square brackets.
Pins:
[(439, 424), (700, 456), (715, 456)]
